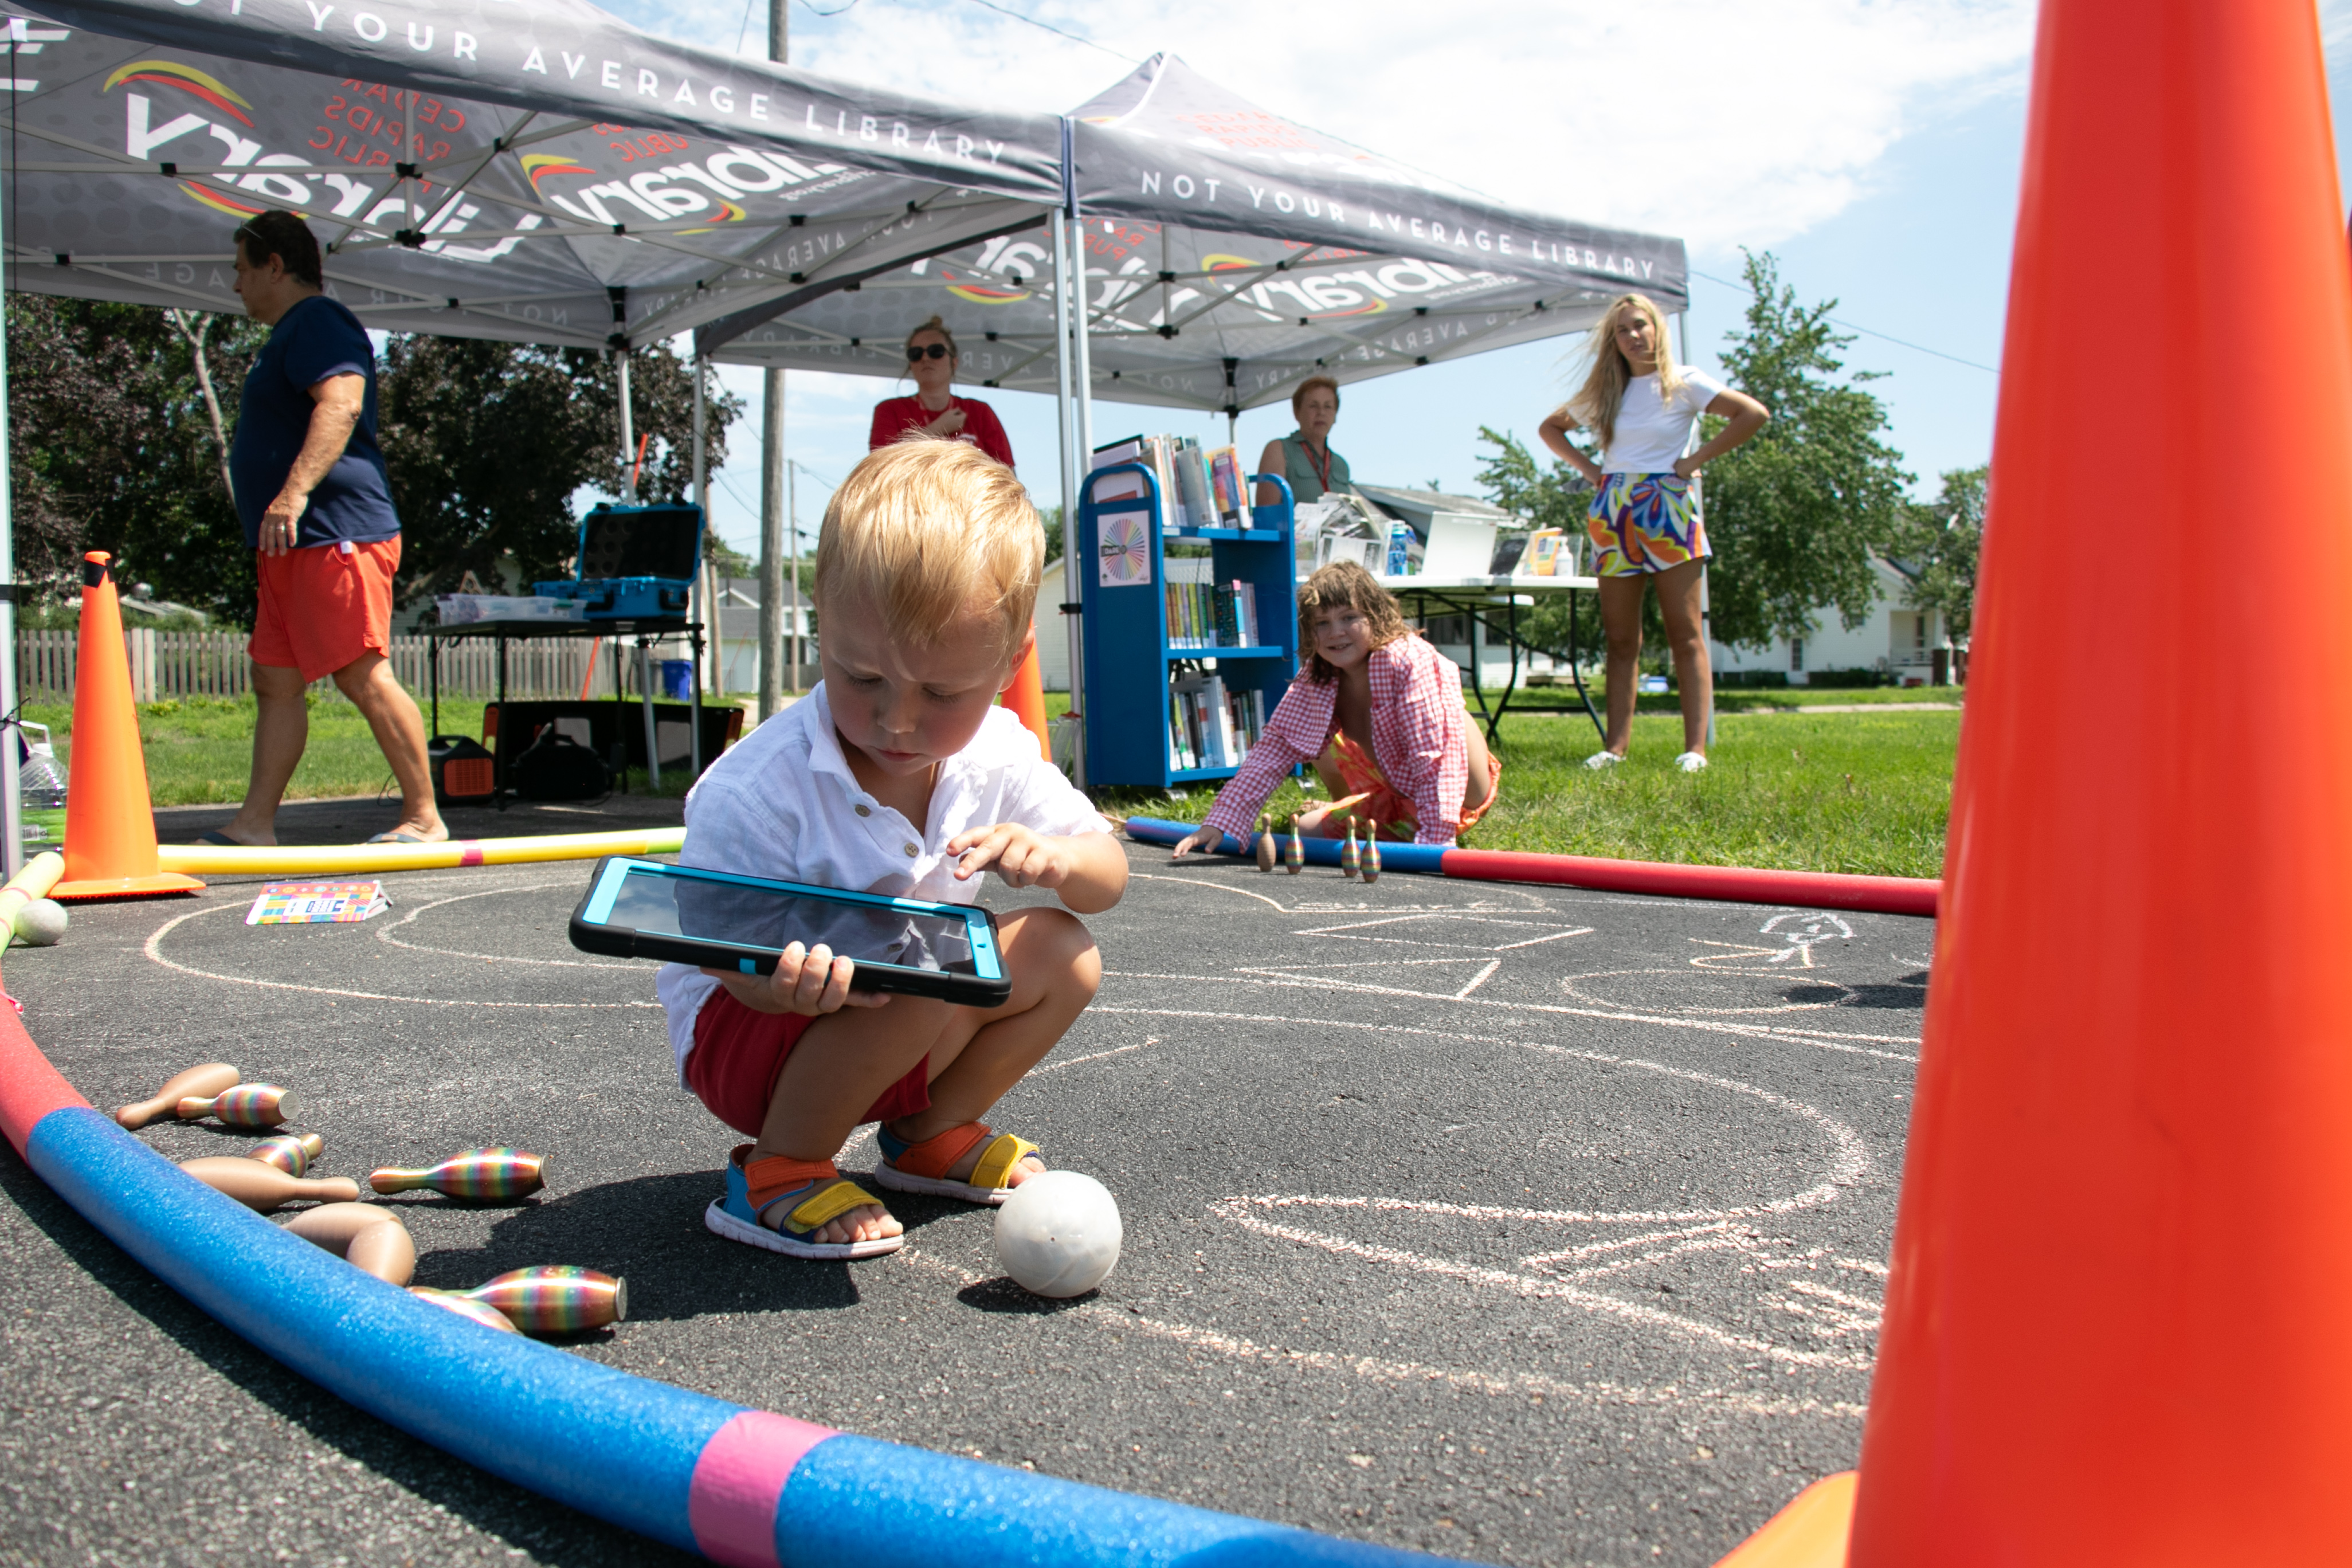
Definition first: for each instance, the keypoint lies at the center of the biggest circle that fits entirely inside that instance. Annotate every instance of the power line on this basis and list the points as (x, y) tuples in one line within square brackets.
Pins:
[(1867, 332), (1074, 37)]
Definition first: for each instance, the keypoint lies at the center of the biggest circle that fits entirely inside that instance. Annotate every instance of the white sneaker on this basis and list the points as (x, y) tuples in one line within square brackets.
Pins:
[(1599, 760), (1692, 762)]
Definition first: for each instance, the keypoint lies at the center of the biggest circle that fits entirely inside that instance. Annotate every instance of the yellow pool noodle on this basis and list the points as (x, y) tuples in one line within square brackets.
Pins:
[(354, 859), (34, 882)]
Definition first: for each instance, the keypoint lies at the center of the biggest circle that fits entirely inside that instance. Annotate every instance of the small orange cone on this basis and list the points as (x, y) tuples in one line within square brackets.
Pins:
[(1026, 698), (110, 817)]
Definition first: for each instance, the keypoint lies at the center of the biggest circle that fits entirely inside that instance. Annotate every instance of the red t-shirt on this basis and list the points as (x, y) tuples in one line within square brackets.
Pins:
[(894, 416)]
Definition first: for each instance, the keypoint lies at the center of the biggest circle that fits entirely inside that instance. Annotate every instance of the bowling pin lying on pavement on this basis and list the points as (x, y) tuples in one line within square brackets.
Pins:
[(465, 1307), (479, 1175), (368, 1236), (266, 1187), (293, 1154), (208, 1078), (554, 1299), (246, 1105)]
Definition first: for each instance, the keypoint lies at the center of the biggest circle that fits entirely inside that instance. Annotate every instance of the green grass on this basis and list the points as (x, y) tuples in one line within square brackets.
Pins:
[(1837, 791), (1855, 792), (199, 750), (1736, 699)]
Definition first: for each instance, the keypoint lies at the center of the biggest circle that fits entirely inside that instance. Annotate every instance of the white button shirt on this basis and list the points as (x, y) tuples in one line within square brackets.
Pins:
[(783, 804)]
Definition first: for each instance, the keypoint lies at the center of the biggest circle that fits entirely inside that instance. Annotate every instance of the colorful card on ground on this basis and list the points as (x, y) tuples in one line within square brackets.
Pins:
[(313, 903)]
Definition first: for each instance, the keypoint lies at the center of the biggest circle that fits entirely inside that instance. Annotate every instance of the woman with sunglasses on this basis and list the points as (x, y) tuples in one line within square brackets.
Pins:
[(935, 411)]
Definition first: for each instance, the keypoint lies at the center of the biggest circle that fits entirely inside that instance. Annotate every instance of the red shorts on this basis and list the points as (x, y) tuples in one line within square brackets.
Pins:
[(738, 1054), (324, 605)]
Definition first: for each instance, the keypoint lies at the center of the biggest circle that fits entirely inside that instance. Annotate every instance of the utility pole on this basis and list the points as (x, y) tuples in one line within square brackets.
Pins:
[(772, 470)]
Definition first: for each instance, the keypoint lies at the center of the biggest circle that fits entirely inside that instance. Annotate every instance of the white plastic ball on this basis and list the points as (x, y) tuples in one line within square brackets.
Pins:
[(41, 922), (1058, 1235)]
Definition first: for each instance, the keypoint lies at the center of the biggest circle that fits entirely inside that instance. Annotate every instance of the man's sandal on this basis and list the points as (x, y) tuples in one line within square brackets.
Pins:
[(819, 1194), (923, 1167)]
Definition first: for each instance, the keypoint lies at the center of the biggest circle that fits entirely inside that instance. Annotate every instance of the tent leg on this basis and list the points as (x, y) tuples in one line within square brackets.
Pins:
[(1065, 428), (12, 805), (772, 542), (1074, 592), (628, 436)]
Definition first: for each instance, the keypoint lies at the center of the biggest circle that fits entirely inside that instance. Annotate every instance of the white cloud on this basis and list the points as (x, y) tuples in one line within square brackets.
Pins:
[(1725, 121)]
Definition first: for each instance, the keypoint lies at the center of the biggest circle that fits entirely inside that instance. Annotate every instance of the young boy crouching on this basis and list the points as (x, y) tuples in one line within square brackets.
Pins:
[(900, 775)]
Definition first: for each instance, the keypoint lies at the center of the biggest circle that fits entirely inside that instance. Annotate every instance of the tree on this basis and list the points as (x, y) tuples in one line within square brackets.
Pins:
[(488, 444), (1936, 550), (1557, 497), (1797, 515), (112, 448)]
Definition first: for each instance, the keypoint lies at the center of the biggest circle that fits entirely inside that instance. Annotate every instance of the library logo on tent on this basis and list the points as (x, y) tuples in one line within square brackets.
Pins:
[(188, 79), (537, 166)]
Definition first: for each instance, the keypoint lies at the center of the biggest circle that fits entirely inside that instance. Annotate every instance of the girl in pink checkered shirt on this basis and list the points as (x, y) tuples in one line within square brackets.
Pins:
[(1379, 712)]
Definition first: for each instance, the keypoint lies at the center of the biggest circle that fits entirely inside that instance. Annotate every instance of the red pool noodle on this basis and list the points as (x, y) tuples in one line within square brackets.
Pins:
[(1740, 884)]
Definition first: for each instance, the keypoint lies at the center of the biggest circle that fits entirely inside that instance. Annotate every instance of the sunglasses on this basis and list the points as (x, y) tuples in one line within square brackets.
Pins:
[(926, 351)]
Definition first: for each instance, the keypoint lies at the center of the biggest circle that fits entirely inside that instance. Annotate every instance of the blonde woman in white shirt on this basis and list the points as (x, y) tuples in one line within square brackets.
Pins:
[(1641, 407)]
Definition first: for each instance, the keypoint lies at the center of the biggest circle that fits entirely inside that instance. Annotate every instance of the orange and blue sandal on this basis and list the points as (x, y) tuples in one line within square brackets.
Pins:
[(923, 1167), (817, 1193)]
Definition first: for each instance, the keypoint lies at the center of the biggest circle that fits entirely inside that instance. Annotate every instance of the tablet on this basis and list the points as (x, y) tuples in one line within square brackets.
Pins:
[(716, 920)]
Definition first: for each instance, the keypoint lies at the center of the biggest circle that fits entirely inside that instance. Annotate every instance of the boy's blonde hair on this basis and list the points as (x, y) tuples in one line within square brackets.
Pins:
[(928, 532)]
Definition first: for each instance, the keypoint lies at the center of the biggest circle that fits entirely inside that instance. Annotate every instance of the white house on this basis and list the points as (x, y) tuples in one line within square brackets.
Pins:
[(1893, 638)]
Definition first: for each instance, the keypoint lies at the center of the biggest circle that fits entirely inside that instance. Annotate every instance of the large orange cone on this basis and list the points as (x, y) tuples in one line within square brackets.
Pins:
[(109, 819), (1026, 698), (2116, 1323)]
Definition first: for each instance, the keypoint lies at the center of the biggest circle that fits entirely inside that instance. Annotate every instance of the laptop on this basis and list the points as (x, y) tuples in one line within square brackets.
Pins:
[(1458, 547)]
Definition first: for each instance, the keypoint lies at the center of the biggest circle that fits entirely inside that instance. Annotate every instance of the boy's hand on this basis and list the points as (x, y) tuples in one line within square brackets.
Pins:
[(808, 982), (1023, 858)]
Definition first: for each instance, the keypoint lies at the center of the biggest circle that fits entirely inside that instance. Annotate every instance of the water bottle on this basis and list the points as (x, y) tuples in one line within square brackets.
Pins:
[(1400, 549), (41, 792)]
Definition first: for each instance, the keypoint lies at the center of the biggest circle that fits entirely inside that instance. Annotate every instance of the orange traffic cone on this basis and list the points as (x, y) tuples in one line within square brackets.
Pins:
[(110, 817), (1026, 698), (2114, 1326)]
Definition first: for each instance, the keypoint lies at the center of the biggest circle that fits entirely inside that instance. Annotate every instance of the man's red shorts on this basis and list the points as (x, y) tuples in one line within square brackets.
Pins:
[(324, 605), (738, 1054)]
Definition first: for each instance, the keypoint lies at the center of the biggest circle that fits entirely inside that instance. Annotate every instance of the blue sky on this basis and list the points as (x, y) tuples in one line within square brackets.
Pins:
[(1872, 146)]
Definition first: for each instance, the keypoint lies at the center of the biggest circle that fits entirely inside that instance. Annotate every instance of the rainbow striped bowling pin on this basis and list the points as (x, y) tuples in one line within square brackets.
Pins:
[(465, 1307), (1294, 859), (1351, 861), (1372, 857), (293, 1154), (246, 1105), (554, 1299), (478, 1175)]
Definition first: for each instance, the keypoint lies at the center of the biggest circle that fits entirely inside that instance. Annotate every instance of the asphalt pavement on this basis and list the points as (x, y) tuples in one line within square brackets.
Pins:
[(1514, 1223)]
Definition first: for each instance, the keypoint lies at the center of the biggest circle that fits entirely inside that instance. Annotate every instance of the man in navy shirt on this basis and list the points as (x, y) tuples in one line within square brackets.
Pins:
[(312, 493)]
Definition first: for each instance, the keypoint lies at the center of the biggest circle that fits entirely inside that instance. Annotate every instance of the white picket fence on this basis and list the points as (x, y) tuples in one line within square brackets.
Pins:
[(166, 665)]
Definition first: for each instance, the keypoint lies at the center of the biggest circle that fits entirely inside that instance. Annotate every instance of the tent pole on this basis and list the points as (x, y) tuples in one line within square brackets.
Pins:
[(12, 805), (793, 509), (1064, 425), (710, 616), (773, 479), (1082, 339), (628, 436), (1706, 626)]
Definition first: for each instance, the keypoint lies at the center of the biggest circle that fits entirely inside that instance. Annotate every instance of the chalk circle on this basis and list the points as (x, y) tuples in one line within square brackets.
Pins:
[(1724, 993), (385, 933)]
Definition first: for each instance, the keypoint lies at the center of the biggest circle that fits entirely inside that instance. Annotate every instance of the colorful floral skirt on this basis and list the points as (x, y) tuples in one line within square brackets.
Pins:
[(1395, 815), (1640, 524)]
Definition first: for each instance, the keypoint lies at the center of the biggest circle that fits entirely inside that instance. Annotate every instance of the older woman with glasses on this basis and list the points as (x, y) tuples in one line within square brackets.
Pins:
[(935, 411)]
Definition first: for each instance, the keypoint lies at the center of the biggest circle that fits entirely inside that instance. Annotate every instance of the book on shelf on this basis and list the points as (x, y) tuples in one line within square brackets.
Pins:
[(1198, 488), (1212, 614), (1209, 726), (1228, 482)]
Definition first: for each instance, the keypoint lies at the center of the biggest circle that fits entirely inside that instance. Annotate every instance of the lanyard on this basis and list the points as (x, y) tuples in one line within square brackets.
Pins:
[(1323, 468)]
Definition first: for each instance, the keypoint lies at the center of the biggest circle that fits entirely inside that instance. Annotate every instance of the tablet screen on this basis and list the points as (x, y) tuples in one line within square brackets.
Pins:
[(656, 902)]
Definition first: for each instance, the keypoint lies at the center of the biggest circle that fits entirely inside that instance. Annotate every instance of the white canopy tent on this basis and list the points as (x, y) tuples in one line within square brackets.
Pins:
[(1226, 254), (474, 169)]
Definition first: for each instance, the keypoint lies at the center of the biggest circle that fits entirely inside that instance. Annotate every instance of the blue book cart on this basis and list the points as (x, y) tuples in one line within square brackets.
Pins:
[(1131, 665)]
